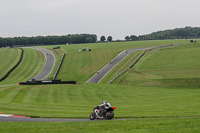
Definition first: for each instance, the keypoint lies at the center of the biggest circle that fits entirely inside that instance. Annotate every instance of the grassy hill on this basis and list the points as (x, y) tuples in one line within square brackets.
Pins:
[(82, 66), (41, 101), (9, 58), (31, 65), (177, 66), (79, 66)]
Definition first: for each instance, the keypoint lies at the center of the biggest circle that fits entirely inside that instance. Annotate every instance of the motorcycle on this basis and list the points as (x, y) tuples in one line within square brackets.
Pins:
[(102, 113)]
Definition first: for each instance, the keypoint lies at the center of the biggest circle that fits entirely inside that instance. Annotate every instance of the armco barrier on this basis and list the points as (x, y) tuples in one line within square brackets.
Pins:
[(46, 82), (22, 54), (56, 74), (140, 58)]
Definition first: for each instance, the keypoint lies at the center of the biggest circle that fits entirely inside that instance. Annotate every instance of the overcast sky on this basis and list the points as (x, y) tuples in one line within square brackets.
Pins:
[(117, 18)]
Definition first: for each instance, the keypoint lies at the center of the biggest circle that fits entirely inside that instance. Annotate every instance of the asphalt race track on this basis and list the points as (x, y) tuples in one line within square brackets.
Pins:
[(27, 119), (102, 73), (22, 119), (48, 67)]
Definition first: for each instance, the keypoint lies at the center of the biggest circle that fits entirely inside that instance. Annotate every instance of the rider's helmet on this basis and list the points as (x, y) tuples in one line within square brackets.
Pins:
[(104, 102)]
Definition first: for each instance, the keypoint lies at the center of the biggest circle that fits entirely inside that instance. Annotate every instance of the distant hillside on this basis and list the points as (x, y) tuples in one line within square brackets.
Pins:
[(178, 33)]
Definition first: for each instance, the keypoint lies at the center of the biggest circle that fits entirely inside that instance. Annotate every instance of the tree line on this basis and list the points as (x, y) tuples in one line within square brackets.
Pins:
[(48, 40), (178, 33)]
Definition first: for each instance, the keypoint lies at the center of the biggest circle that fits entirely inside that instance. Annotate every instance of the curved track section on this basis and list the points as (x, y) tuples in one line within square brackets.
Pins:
[(107, 68), (48, 67)]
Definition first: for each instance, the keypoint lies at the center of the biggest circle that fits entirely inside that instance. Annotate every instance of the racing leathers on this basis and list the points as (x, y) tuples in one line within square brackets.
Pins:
[(102, 108)]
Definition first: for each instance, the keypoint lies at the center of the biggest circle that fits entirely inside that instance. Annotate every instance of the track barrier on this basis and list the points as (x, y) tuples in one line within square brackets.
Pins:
[(46, 82), (56, 74)]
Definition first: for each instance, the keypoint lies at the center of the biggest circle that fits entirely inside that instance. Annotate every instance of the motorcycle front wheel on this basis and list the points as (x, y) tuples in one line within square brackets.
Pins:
[(92, 117)]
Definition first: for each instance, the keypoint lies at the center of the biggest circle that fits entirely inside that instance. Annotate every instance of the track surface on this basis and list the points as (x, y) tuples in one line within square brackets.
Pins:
[(102, 73), (48, 67), (21, 119), (37, 119)]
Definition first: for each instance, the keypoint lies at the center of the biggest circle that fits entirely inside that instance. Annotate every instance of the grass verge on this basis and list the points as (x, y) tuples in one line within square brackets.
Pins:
[(9, 58), (178, 125)]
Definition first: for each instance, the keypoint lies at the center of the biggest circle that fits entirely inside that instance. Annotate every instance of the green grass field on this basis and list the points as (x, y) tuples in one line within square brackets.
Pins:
[(77, 101), (82, 66), (145, 91), (169, 67), (171, 125), (9, 58), (31, 65)]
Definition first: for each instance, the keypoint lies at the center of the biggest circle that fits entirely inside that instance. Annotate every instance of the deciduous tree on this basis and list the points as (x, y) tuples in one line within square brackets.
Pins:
[(103, 38), (109, 39), (127, 38)]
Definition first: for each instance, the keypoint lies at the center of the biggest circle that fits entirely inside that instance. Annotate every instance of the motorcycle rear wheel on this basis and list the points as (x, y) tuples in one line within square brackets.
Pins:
[(110, 116)]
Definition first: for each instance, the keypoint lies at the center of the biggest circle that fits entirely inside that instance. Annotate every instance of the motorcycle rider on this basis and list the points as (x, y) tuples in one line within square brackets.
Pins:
[(105, 105), (102, 107)]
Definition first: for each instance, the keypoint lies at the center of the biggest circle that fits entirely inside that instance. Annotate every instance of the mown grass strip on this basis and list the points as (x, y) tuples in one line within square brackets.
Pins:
[(9, 58), (30, 66), (15, 66), (117, 126), (77, 101)]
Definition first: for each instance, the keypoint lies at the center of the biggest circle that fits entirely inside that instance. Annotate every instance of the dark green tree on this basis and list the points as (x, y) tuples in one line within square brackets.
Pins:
[(89, 40), (103, 38), (133, 38), (109, 39), (127, 38)]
